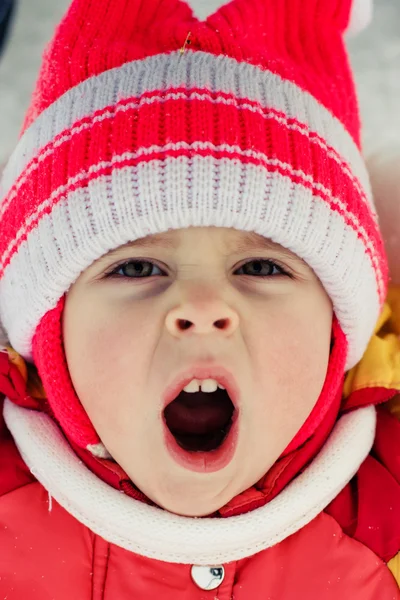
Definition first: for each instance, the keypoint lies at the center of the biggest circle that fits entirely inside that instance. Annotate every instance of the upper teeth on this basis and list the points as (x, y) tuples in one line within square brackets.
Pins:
[(206, 385)]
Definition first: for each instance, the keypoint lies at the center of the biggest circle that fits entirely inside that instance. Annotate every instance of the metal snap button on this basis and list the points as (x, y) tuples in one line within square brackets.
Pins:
[(208, 578)]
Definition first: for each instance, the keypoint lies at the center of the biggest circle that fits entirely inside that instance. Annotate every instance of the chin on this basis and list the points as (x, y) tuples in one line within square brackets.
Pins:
[(193, 505), (190, 494)]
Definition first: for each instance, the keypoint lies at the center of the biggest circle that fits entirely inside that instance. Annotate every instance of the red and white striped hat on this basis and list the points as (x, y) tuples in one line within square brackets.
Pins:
[(152, 115)]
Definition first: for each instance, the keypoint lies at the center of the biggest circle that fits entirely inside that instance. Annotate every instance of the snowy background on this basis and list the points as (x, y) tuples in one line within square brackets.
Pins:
[(375, 55)]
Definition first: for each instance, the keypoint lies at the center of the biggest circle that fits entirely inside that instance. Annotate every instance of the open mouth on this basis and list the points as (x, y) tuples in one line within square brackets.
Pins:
[(200, 421)]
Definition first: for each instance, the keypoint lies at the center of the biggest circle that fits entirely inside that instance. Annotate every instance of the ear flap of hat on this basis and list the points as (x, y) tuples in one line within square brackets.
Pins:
[(360, 17)]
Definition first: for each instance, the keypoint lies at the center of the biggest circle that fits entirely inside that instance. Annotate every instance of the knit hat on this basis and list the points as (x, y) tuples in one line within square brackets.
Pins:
[(150, 116)]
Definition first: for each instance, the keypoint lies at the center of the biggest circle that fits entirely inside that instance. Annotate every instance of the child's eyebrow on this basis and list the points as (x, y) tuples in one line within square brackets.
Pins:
[(248, 241)]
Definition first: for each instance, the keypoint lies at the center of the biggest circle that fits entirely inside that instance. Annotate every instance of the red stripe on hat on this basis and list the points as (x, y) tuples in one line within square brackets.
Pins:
[(175, 94)]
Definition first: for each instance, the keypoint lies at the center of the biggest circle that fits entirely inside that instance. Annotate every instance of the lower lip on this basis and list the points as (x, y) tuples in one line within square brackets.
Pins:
[(205, 462)]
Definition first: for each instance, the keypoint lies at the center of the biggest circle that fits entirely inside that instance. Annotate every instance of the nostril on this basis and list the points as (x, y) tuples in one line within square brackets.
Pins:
[(183, 324), (221, 323)]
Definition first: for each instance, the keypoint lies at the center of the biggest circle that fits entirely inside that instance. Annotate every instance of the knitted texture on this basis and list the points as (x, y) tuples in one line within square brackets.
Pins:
[(155, 533), (161, 121)]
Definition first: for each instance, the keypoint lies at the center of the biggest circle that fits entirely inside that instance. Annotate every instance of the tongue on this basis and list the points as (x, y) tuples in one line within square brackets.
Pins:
[(198, 413)]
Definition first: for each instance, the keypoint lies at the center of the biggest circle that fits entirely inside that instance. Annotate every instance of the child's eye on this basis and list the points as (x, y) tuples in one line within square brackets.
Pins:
[(134, 269), (262, 268), (140, 269)]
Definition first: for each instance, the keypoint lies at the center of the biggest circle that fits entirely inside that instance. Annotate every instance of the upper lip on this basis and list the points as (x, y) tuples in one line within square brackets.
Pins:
[(221, 375)]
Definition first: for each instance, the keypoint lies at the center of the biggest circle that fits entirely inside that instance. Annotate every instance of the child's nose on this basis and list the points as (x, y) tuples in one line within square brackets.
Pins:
[(211, 317)]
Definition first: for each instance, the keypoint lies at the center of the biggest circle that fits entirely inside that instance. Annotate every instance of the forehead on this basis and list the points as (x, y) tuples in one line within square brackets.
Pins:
[(230, 239)]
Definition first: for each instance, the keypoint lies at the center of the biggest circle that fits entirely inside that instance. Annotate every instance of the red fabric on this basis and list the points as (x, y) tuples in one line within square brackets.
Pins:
[(300, 41), (368, 508), (50, 554), (13, 385), (14, 473), (51, 363)]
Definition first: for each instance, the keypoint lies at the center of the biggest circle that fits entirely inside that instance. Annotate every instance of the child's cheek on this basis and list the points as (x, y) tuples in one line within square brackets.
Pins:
[(294, 355), (117, 347), (105, 348), (290, 352)]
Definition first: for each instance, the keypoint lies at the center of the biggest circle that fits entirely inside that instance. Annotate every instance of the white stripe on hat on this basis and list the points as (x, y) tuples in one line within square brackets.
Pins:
[(247, 197), (197, 70)]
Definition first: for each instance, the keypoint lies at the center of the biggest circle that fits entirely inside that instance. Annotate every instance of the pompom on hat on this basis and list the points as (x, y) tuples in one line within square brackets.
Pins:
[(151, 115)]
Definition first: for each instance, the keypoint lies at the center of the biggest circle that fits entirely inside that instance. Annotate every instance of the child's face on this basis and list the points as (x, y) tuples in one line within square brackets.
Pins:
[(202, 301)]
